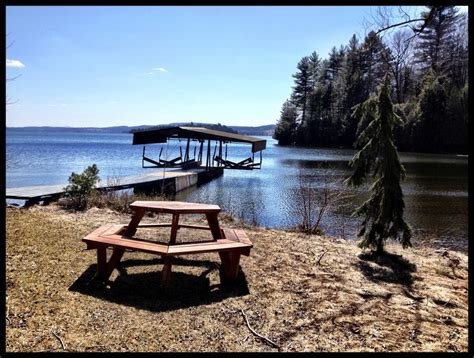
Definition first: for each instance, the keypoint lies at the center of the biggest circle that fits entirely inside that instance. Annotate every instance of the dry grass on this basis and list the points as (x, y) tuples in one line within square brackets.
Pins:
[(305, 293), (114, 200)]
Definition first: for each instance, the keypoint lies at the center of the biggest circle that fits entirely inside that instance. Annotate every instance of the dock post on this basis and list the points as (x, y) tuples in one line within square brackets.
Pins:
[(208, 159), (186, 155)]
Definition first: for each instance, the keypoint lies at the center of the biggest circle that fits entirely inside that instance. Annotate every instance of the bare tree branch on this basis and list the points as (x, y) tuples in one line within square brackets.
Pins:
[(13, 78), (265, 339), (383, 16), (399, 24), (7, 99)]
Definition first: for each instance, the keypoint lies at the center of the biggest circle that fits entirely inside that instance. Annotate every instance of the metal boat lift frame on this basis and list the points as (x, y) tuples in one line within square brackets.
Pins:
[(200, 134)]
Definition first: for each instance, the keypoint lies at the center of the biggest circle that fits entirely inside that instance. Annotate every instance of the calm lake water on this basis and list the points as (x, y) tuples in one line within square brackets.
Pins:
[(436, 187)]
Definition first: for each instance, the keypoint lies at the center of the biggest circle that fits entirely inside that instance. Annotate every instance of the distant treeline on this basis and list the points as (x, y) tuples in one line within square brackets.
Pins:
[(260, 130), (217, 127), (266, 130), (429, 75)]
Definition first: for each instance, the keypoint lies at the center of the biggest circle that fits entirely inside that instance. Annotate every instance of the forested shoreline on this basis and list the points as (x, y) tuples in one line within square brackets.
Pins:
[(429, 87)]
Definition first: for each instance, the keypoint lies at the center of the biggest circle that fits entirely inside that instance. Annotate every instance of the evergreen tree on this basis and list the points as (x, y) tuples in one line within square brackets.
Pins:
[(302, 86), (314, 69), (309, 130), (351, 90), (454, 61), (429, 130), (334, 62), (431, 49), (383, 211), (374, 61), (285, 131), (434, 110), (455, 132), (312, 135)]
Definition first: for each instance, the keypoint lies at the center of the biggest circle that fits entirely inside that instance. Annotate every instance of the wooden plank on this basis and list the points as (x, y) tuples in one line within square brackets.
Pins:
[(205, 247), (114, 229), (113, 261), (136, 217), (117, 241), (230, 264), (101, 262), (230, 234), (238, 235), (153, 225), (176, 207), (174, 228), (242, 236), (97, 232), (214, 225), (166, 271), (199, 227), (134, 238), (203, 242)]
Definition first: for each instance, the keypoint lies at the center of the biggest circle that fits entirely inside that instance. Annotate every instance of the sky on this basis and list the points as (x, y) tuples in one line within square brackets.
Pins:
[(95, 66)]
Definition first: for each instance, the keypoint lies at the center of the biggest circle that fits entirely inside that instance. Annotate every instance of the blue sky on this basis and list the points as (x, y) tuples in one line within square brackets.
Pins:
[(107, 66)]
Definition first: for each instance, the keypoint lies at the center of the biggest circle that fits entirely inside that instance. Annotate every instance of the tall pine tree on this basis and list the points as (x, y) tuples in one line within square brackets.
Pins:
[(286, 127), (431, 49), (302, 86), (383, 211)]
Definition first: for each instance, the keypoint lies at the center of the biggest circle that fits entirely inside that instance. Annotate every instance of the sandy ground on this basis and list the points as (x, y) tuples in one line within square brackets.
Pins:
[(303, 293)]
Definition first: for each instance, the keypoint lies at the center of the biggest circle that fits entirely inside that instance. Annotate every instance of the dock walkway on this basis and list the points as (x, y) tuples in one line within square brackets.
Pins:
[(169, 181)]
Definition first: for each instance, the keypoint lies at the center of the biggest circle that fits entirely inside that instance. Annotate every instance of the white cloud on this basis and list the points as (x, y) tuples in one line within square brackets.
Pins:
[(463, 8), (155, 70), (14, 63)]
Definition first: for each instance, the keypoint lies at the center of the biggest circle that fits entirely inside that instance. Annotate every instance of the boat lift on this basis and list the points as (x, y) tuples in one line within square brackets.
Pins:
[(199, 135)]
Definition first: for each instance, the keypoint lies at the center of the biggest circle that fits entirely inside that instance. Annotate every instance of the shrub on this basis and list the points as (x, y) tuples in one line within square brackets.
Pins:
[(80, 187), (120, 201)]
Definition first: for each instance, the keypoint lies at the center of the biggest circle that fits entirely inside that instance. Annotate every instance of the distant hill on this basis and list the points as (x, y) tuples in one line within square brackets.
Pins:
[(217, 127), (266, 130), (117, 129)]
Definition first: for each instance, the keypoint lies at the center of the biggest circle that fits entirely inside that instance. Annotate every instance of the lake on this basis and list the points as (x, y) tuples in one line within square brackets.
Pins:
[(435, 189)]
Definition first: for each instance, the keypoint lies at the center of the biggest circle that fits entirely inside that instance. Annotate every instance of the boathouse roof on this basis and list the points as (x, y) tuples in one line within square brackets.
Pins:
[(161, 135)]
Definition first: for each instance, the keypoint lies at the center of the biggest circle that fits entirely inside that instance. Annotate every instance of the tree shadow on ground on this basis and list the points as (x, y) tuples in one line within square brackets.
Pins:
[(389, 268), (142, 290)]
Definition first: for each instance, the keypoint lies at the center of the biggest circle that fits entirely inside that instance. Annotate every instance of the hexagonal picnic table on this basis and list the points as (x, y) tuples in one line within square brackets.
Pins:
[(229, 243)]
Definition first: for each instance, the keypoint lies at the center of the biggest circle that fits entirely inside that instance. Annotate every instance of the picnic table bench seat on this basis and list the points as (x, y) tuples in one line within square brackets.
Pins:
[(234, 242)]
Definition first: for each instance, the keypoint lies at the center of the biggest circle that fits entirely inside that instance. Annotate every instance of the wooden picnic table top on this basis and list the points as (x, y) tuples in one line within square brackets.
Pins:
[(175, 207)]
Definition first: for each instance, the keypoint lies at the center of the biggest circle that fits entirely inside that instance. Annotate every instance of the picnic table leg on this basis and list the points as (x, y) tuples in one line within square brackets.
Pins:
[(101, 262), (166, 271), (104, 268), (113, 261), (230, 264), (136, 217), (174, 228), (214, 225)]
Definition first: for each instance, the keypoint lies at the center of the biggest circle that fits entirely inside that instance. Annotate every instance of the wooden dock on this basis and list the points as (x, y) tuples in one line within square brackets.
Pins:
[(170, 181)]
